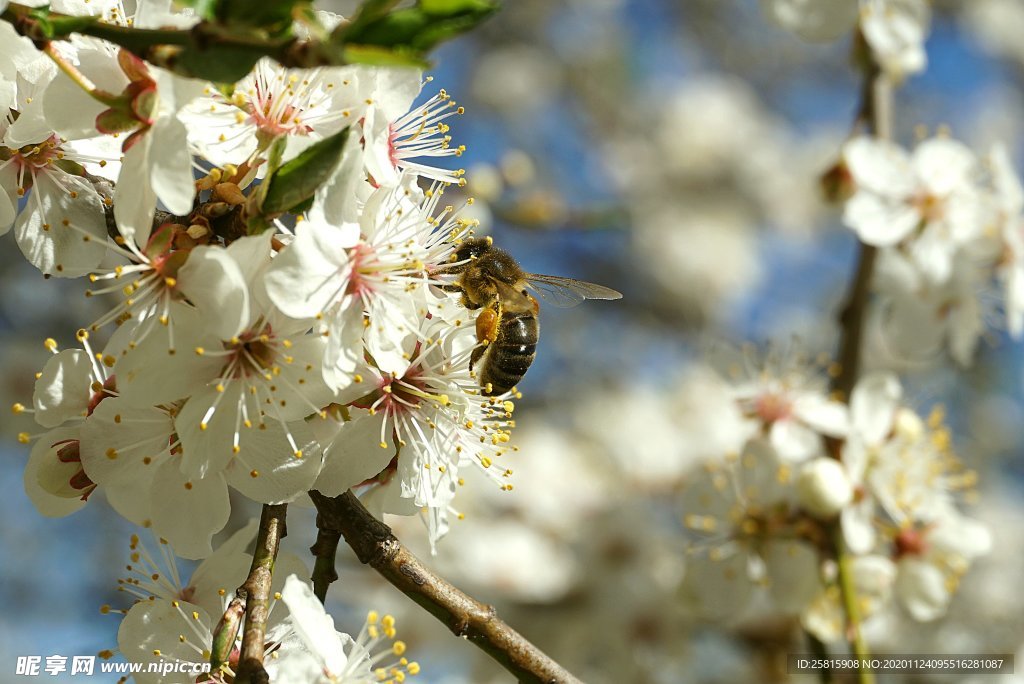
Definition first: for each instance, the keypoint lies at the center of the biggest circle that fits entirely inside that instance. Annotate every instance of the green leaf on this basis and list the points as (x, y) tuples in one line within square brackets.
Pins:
[(379, 56), (220, 63), (417, 28), (371, 11), (297, 180), (273, 16), (449, 7)]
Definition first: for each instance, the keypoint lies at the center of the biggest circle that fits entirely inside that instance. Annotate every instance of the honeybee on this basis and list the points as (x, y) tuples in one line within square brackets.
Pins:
[(507, 328)]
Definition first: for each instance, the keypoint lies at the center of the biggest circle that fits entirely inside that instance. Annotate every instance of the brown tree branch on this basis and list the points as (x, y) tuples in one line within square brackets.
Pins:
[(324, 550), (376, 546), (256, 590), (876, 116)]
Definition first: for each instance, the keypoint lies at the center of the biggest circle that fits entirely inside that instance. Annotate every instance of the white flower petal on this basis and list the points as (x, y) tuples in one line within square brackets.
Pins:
[(717, 589), (813, 20), (47, 477), (279, 475), (134, 197), (880, 166), (152, 627), (63, 230), (355, 454), (858, 526), (308, 275), (943, 165), (880, 221), (213, 281), (150, 374), (207, 439), (793, 576), (873, 405), (122, 441), (188, 512), (171, 176), (314, 626), (921, 588), (828, 416), (64, 388), (794, 441)]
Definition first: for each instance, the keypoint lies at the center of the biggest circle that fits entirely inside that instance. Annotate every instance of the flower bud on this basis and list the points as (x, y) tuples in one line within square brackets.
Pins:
[(909, 425), (823, 488)]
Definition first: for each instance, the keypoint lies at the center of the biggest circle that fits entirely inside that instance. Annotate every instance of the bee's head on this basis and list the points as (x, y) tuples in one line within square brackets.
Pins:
[(472, 248)]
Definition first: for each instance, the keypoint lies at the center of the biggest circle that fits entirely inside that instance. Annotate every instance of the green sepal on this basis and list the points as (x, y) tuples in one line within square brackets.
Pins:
[(298, 179), (159, 241), (116, 121), (68, 166), (225, 632)]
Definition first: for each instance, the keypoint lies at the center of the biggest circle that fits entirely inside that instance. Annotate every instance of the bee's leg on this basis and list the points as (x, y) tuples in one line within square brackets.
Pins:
[(486, 332), (487, 325), (464, 300)]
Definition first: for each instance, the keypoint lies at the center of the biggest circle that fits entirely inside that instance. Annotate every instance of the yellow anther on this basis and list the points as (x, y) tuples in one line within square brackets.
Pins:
[(18, 408)]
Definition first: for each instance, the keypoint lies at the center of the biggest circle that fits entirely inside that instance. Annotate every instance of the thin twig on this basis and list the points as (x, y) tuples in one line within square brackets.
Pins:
[(876, 116), (257, 594), (166, 46), (376, 546)]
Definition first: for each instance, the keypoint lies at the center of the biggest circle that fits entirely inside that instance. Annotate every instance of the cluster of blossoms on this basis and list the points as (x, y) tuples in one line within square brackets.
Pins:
[(326, 355), (174, 622), (326, 349), (893, 30), (874, 472), (948, 228)]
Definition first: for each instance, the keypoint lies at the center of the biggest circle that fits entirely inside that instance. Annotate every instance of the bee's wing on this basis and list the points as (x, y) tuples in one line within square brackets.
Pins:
[(511, 297), (567, 292)]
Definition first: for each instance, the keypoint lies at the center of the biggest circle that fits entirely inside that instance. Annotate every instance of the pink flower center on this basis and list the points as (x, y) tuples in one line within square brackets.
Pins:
[(276, 121), (772, 407), (38, 155), (910, 541), (251, 353), (403, 394), (363, 258), (931, 207), (393, 145)]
